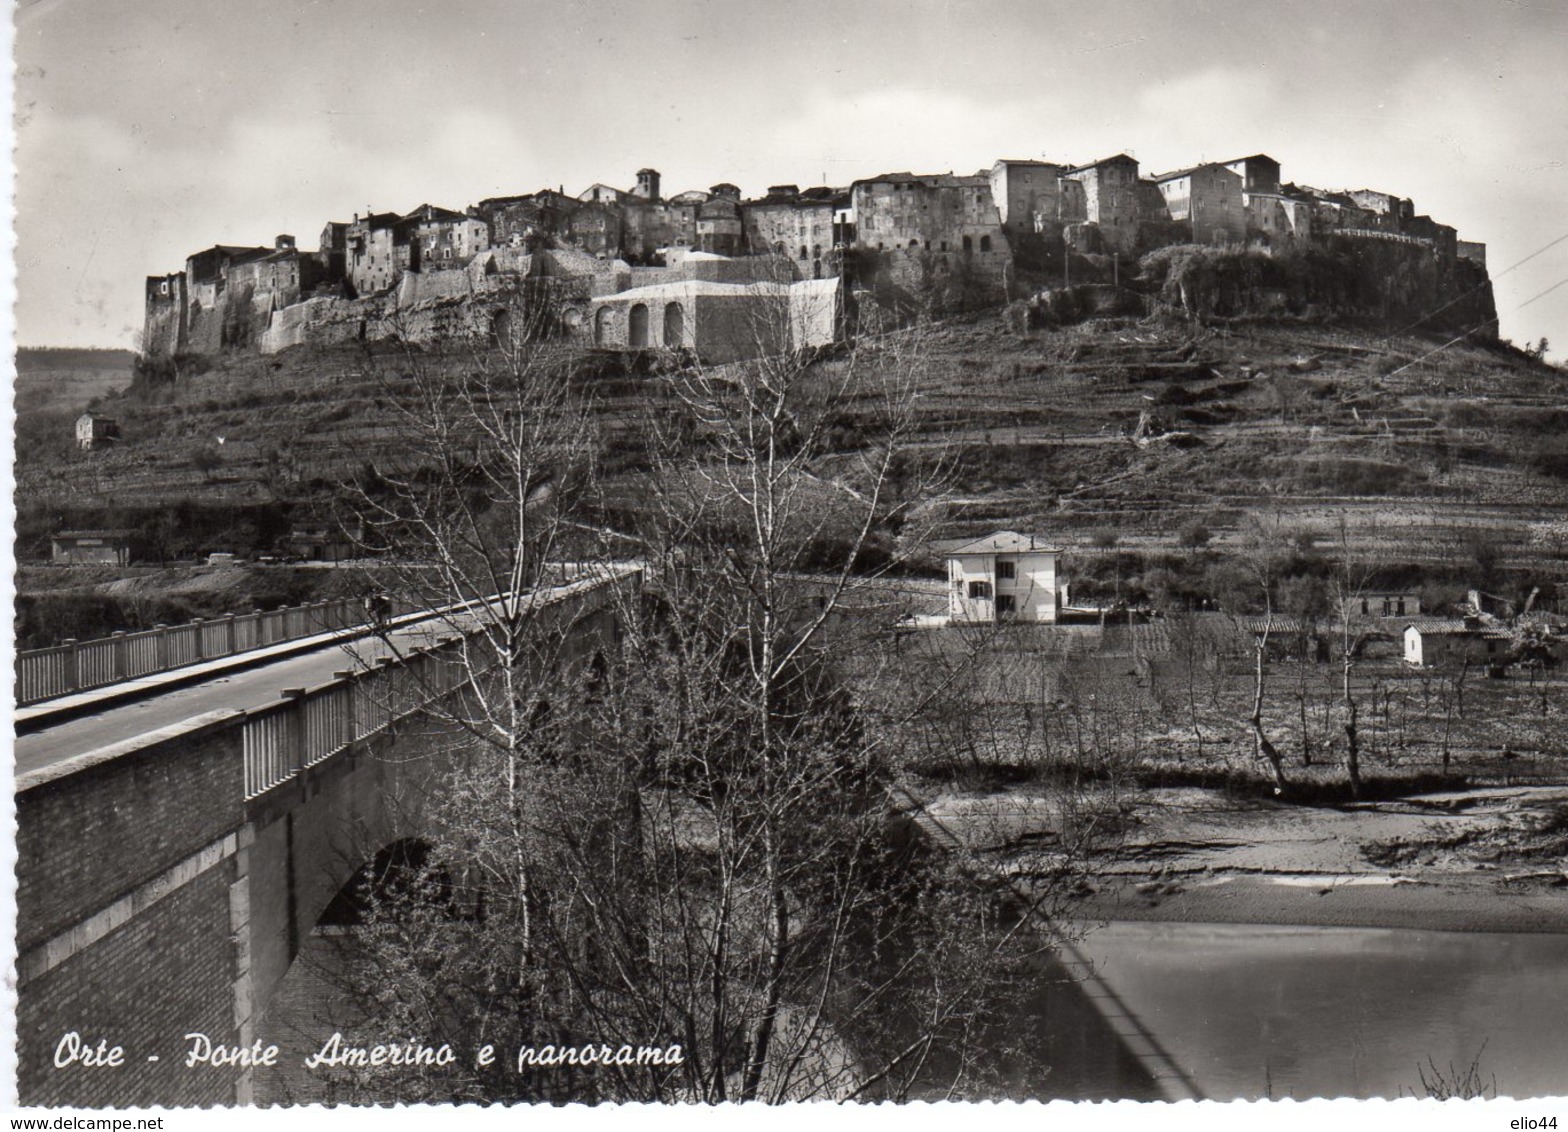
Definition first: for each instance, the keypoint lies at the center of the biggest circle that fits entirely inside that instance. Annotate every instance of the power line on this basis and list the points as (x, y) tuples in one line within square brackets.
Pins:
[(1485, 322), (1542, 295), (1489, 280)]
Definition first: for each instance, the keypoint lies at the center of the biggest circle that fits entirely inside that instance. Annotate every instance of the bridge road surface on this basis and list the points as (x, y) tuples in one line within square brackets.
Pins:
[(251, 688)]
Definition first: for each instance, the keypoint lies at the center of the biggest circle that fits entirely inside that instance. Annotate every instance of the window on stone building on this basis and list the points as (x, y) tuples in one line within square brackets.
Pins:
[(1006, 570), (985, 243), (914, 243), (980, 591), (969, 244), (803, 251), (944, 245)]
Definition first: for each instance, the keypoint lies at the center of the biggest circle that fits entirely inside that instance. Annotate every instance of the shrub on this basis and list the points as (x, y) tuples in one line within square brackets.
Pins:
[(1193, 535)]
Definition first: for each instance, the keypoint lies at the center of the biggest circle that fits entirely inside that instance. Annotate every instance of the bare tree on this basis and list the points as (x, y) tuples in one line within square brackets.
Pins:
[(1258, 563), (1355, 570), (701, 841)]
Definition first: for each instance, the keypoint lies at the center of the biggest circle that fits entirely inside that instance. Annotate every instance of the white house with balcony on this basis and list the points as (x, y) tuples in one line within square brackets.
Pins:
[(1004, 576)]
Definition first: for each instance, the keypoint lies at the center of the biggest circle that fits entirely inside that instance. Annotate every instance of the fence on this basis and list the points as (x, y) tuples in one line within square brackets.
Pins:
[(78, 666), (306, 727)]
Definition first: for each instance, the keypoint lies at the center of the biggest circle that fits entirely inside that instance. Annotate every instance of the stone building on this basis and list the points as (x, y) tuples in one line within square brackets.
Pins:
[(94, 430), (596, 228), (439, 238), (648, 226), (513, 221), (95, 548), (1443, 237), (1208, 197), (165, 322), (523, 221), (333, 251), (796, 224), (1391, 212), (1259, 173), (1332, 211), (947, 239), (1105, 194), (600, 193), (647, 186), (722, 309), (281, 278), (1434, 641), (941, 213), (1277, 217), (719, 227), (370, 254), (1028, 195), (1473, 251)]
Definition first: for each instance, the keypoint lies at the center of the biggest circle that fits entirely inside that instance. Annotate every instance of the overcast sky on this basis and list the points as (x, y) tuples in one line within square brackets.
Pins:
[(148, 130)]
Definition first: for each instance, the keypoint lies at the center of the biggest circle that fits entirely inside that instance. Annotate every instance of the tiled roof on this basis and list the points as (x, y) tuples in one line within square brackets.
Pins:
[(1452, 627), (1270, 622), (1103, 161), (1005, 542)]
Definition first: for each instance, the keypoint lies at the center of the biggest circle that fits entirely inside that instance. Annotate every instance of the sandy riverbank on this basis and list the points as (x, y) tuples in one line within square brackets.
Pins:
[(1454, 904), (1465, 864), (1463, 861)]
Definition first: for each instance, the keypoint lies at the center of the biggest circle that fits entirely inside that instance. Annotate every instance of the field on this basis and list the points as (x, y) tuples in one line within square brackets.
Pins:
[(1109, 756), (69, 380)]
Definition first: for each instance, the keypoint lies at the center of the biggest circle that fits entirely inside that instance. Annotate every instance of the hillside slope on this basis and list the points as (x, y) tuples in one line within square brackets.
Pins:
[(1111, 432)]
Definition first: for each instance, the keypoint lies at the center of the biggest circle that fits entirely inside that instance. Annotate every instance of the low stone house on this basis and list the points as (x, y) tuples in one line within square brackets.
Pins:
[(1436, 641), (94, 430), (91, 548)]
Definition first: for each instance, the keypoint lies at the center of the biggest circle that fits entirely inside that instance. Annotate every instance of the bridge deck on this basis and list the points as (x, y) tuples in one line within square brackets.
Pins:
[(227, 688)]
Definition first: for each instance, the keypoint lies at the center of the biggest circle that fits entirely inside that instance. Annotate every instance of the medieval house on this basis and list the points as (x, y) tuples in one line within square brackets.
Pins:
[(1104, 194), (953, 231), (1208, 197)]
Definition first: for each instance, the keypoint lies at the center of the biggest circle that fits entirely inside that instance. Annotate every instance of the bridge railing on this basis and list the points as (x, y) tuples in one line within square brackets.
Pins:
[(310, 725), (79, 666), (307, 726)]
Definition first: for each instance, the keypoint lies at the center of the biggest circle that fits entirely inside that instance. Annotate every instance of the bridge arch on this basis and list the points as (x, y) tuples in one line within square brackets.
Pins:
[(402, 871)]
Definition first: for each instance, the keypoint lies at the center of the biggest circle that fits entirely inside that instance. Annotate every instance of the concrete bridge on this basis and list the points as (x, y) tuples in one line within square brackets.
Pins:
[(173, 851)]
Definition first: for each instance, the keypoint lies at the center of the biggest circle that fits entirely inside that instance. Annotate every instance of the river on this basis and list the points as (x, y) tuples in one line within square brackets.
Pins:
[(1251, 1011)]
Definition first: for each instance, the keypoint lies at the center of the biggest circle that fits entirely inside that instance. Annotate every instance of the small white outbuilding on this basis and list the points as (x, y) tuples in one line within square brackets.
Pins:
[(1004, 576)]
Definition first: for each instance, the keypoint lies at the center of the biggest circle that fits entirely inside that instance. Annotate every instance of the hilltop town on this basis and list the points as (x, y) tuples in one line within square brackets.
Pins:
[(633, 269)]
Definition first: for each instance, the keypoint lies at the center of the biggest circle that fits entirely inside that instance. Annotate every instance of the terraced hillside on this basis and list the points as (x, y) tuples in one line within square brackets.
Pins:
[(1110, 434)]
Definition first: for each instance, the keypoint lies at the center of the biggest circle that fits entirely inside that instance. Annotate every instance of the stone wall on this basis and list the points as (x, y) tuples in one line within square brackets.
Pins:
[(124, 868), (163, 326)]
